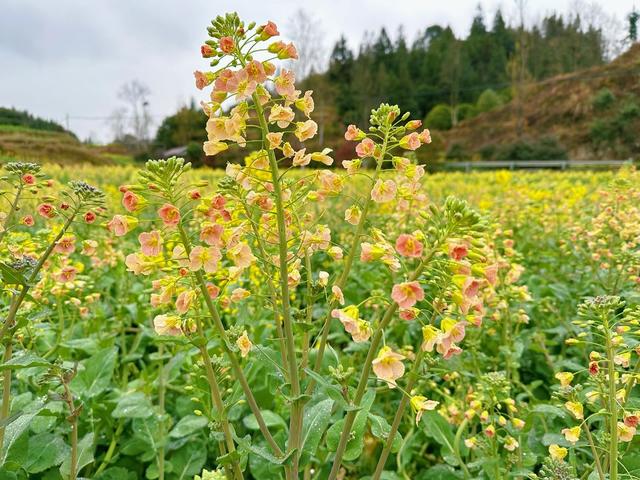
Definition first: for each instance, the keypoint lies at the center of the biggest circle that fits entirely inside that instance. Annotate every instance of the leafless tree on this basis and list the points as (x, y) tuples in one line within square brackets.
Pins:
[(592, 14), (307, 35), (135, 95), (118, 123)]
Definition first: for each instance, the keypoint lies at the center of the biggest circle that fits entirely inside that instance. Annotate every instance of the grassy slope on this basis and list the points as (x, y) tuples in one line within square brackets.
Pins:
[(562, 107), (25, 144)]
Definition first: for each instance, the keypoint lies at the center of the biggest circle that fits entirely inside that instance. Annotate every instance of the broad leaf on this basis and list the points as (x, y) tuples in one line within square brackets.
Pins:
[(96, 375), (46, 450), (133, 405), (437, 427), (315, 422), (355, 445), (188, 425), (271, 419), (24, 360), (85, 455)]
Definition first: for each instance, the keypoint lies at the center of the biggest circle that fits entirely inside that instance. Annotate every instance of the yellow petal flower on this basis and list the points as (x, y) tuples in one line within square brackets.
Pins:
[(557, 452)]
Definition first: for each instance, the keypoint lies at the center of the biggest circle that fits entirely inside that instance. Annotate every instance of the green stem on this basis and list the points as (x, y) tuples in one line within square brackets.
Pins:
[(295, 422), (594, 452), (161, 411), (309, 314), (111, 450), (233, 359), (6, 335), (274, 294), (216, 398), (12, 209), (413, 377), (456, 447), (6, 388), (366, 370), (345, 273), (613, 406), (73, 420)]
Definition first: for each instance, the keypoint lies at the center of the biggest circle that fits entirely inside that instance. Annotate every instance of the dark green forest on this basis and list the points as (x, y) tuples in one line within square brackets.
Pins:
[(439, 68), (438, 77)]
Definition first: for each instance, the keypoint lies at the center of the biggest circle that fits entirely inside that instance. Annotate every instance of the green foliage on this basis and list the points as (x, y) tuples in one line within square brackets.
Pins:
[(11, 116), (439, 118), (466, 111), (603, 99), (457, 152), (438, 67), (184, 127), (488, 100), (544, 149), (617, 130)]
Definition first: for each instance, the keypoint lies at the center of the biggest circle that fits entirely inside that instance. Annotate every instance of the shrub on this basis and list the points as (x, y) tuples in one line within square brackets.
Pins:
[(603, 99), (544, 149), (439, 118), (466, 111), (457, 152), (488, 100), (629, 111)]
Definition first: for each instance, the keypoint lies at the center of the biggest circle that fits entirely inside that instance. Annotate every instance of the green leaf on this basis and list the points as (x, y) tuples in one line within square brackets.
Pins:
[(440, 472), (133, 405), (188, 460), (96, 375), (355, 445), (380, 428), (245, 442), (46, 450), (550, 410), (7, 474), (437, 427), (271, 419), (188, 425), (147, 432), (11, 276), (24, 360), (85, 455), (116, 473), (13, 433), (315, 422)]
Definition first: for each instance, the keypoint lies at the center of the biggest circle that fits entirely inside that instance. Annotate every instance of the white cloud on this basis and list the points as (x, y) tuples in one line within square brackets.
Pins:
[(70, 57)]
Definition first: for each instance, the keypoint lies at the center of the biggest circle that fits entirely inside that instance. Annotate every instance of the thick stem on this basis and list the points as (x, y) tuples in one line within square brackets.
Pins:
[(73, 420), (366, 370), (233, 359), (73, 469), (295, 421)]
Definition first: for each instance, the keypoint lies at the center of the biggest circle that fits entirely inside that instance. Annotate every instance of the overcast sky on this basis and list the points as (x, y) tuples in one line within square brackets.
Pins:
[(69, 57)]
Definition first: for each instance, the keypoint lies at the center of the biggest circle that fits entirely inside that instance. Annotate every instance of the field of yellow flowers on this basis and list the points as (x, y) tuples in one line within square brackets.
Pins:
[(529, 391), (279, 321)]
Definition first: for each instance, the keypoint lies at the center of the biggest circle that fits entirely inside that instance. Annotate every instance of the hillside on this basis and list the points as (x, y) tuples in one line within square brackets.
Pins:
[(61, 147), (590, 114)]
